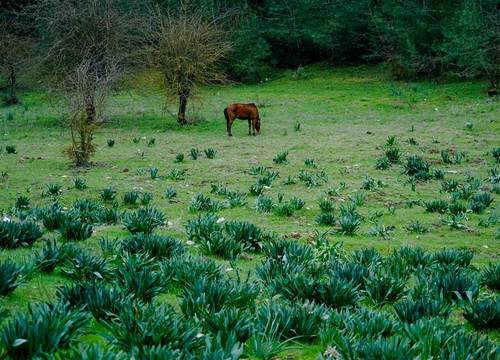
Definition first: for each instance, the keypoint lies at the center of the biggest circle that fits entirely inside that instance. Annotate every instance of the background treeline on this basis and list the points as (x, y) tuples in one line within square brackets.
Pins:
[(418, 38)]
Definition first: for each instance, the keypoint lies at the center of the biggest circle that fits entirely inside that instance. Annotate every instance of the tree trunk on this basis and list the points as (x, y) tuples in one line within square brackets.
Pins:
[(13, 82), (181, 116), (90, 111)]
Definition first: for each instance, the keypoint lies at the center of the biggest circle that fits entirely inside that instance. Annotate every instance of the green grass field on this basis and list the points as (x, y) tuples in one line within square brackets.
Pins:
[(346, 117)]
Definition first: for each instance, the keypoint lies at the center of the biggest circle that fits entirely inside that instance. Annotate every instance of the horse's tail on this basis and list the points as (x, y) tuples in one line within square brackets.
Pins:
[(226, 114)]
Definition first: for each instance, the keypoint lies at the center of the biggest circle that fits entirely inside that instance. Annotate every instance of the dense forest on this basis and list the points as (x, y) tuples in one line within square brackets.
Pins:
[(418, 38)]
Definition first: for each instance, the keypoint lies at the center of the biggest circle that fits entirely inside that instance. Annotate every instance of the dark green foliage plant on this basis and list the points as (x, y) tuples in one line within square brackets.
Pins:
[(42, 330), (483, 314), (383, 163), (297, 203), (86, 210), (229, 322), (257, 170), (10, 149), (338, 292), (179, 158), (310, 179), (22, 203), (153, 173), (11, 276), (202, 227), (139, 277), (79, 183), (326, 205), (102, 301), (459, 257), (438, 174), (267, 178), (170, 193), (392, 348), (86, 267), (49, 256), (462, 344), (298, 321), (109, 216), (490, 276), (457, 208), (157, 246), (143, 327), (439, 206), (326, 219), (311, 163), (284, 209), (417, 167), (130, 198), (496, 154), (15, 234), (415, 257), (90, 352), (455, 284), (176, 174), (410, 311), (108, 194), (385, 285), (366, 257), (450, 185), (455, 221), (218, 244), (210, 153), (52, 190), (206, 297), (110, 142), (417, 227), (264, 204), (185, 270), (256, 189), (236, 199), (480, 201), (143, 220), (194, 153), (72, 229), (393, 154), (281, 158), (145, 198), (349, 223), (201, 202), (250, 235)]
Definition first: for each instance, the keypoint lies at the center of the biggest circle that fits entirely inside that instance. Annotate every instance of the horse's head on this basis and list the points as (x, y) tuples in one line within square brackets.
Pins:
[(257, 125)]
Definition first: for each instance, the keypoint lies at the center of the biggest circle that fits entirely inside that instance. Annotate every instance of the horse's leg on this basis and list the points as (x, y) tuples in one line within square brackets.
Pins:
[(253, 125), (229, 123), (249, 127)]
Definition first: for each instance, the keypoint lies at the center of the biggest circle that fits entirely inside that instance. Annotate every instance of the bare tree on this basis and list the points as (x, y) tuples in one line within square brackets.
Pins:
[(87, 93), (14, 54), (187, 47), (84, 46)]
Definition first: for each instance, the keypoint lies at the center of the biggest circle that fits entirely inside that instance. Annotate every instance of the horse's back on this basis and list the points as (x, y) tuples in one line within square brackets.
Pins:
[(243, 111)]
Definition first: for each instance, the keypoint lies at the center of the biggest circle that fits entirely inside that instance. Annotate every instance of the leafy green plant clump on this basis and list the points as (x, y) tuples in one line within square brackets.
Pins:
[(143, 220), (15, 234), (11, 276), (42, 330)]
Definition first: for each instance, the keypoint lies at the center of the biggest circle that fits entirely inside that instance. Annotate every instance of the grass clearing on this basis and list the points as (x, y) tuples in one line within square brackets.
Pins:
[(346, 116)]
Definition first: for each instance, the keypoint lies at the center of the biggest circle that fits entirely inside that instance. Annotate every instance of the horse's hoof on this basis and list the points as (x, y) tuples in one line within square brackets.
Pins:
[(229, 135)]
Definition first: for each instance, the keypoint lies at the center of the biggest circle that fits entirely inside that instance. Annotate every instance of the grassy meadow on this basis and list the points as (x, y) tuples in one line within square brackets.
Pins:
[(339, 121)]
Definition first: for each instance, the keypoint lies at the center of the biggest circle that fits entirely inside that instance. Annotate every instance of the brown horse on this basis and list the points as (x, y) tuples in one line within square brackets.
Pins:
[(244, 112)]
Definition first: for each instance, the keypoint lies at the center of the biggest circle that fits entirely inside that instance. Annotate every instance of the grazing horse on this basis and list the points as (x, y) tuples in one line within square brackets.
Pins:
[(244, 112)]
